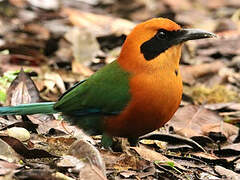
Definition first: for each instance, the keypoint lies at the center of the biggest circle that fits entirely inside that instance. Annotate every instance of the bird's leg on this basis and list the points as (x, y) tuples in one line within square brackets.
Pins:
[(106, 141), (133, 141)]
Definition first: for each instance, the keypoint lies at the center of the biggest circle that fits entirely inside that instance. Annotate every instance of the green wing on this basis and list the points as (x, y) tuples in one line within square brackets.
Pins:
[(104, 93)]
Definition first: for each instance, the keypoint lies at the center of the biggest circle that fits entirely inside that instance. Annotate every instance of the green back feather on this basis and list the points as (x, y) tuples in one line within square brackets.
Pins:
[(107, 90)]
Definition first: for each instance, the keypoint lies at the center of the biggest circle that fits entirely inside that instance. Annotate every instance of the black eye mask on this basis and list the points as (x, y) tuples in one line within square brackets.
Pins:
[(164, 39), (159, 43)]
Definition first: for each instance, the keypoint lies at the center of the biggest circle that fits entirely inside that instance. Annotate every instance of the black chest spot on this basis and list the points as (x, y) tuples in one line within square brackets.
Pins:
[(176, 72)]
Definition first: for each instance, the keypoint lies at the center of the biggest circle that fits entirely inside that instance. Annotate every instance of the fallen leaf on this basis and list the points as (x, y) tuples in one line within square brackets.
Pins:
[(62, 176), (98, 24), (7, 167), (191, 120), (152, 156), (28, 125), (79, 68), (178, 6), (45, 4), (91, 172), (84, 44), (18, 3), (38, 30), (173, 139), (128, 174), (225, 128), (25, 152), (230, 150), (84, 150), (22, 90), (123, 161), (22, 54), (7, 153), (223, 106), (36, 174), (191, 73), (54, 79), (71, 162), (226, 173)]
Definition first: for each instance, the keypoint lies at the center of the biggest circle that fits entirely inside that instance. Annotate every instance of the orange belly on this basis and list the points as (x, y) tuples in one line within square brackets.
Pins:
[(153, 103)]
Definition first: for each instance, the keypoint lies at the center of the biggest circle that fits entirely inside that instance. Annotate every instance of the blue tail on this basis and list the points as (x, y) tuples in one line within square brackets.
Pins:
[(27, 109)]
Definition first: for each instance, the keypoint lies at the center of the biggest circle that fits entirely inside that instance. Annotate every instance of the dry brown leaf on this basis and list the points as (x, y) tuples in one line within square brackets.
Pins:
[(54, 79), (65, 141), (84, 150), (91, 172), (7, 153), (45, 4), (86, 170), (219, 106), (182, 5), (152, 156), (197, 19), (7, 168), (67, 161), (226, 173), (40, 32), (6, 66), (98, 24), (189, 120), (22, 90), (235, 146), (20, 148), (191, 73), (214, 4), (122, 161), (24, 51), (85, 46), (225, 128), (128, 174), (204, 155), (18, 3), (226, 46), (79, 68)]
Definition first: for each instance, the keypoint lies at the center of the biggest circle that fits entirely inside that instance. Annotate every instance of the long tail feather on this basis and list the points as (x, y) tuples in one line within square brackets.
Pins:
[(27, 109)]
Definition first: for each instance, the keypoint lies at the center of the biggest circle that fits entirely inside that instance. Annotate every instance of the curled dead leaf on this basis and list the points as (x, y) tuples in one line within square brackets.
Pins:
[(84, 150), (22, 90)]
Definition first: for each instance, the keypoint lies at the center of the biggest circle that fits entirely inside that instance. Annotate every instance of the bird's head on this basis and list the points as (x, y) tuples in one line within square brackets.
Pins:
[(156, 42)]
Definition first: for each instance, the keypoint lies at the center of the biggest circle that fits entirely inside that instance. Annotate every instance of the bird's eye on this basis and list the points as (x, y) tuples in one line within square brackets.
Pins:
[(161, 35)]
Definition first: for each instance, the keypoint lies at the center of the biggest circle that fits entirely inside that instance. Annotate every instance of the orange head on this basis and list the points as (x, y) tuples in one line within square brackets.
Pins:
[(156, 43)]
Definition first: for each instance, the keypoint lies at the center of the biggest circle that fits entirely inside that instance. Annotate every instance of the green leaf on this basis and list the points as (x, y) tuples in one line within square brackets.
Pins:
[(2, 96)]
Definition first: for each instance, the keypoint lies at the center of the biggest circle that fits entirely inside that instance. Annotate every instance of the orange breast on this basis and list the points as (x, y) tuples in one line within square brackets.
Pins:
[(155, 98)]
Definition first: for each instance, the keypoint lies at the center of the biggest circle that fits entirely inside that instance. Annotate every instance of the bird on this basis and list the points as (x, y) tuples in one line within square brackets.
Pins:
[(135, 94)]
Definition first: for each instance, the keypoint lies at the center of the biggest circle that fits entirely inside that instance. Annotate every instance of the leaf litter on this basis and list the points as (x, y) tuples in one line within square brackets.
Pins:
[(200, 142)]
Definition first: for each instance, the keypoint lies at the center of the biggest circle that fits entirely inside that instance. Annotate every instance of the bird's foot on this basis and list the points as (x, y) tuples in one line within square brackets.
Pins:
[(133, 141), (120, 145)]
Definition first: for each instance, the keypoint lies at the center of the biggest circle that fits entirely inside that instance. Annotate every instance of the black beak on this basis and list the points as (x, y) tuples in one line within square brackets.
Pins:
[(191, 34)]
